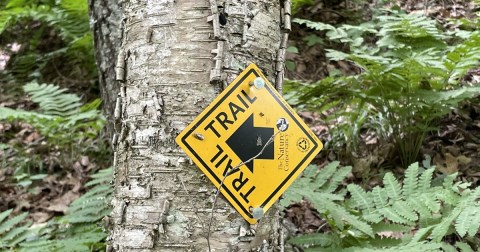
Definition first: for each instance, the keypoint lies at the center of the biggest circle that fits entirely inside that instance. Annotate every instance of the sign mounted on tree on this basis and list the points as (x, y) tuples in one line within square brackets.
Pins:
[(250, 124)]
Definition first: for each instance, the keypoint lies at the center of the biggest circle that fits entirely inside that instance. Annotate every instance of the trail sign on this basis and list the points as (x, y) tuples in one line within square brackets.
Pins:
[(237, 126)]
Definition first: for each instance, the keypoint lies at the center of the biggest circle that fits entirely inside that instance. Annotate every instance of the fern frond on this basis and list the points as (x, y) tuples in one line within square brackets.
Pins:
[(390, 214), (419, 205), (341, 215), (101, 177), (474, 225), (314, 25), (463, 222), (420, 246), (9, 224), (404, 210), (422, 234), (40, 245), (425, 180), (20, 238), (380, 197), (448, 196), (326, 173), (468, 221), (5, 214), (336, 179), (430, 202), (52, 100), (442, 228), (390, 227), (295, 192), (410, 183), (11, 232), (15, 232), (338, 213), (449, 180), (464, 247), (360, 198), (392, 187), (97, 190), (93, 205), (309, 240)]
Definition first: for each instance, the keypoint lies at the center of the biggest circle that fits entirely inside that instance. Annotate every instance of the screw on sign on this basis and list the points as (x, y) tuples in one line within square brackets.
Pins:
[(250, 142)]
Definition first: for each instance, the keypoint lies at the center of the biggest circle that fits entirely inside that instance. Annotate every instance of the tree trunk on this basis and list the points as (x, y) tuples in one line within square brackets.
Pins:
[(105, 16), (174, 58)]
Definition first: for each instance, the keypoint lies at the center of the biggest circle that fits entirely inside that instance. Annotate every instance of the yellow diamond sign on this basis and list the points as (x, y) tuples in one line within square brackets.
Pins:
[(239, 126)]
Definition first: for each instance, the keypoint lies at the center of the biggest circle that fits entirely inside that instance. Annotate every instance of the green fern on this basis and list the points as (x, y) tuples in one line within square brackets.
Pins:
[(62, 118), (410, 183), (324, 200), (78, 229), (409, 77), (73, 46), (297, 4), (360, 221), (52, 100), (310, 240), (11, 231)]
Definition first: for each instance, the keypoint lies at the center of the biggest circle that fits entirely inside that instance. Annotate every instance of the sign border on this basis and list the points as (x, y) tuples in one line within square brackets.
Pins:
[(211, 109)]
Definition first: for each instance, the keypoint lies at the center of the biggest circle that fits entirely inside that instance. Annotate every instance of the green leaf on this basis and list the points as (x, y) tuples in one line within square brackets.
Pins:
[(390, 227), (464, 247), (292, 49), (426, 179), (5, 214), (337, 178), (9, 224), (324, 240), (326, 173), (380, 197), (314, 25), (405, 211), (422, 234), (360, 198), (411, 180), (442, 229), (392, 187), (392, 215), (419, 205), (290, 65), (15, 232), (467, 220), (313, 39)]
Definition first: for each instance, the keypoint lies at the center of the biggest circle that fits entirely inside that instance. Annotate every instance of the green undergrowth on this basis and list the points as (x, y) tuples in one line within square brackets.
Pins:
[(54, 39), (421, 213), (63, 123), (77, 230), (409, 74)]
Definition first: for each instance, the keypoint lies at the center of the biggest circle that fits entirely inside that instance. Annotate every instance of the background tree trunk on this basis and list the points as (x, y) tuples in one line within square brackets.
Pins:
[(174, 58), (105, 16)]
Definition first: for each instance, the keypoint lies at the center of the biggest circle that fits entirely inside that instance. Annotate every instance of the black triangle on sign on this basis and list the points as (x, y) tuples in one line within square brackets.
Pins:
[(248, 140)]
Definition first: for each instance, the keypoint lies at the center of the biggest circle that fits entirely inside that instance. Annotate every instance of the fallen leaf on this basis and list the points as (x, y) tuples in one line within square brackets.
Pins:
[(41, 217), (390, 234), (61, 204), (463, 160), (447, 165), (31, 137), (84, 161)]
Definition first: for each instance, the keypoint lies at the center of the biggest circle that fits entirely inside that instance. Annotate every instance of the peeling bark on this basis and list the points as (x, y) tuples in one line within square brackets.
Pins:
[(174, 58)]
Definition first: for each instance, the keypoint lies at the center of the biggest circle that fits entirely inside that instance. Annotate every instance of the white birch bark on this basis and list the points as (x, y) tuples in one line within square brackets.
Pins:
[(174, 58)]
